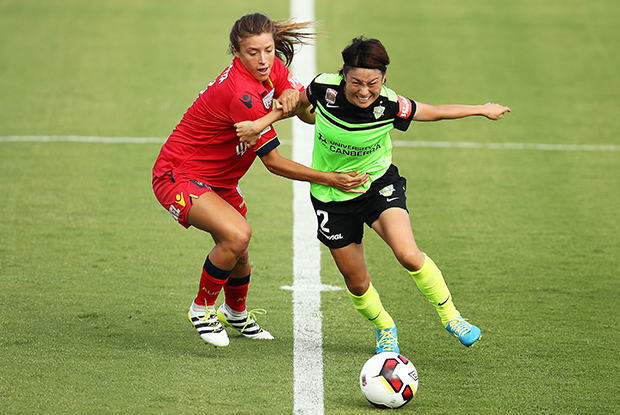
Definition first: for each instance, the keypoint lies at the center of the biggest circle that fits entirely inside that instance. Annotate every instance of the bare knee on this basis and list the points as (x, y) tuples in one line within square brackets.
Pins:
[(237, 240), (357, 285), (412, 260)]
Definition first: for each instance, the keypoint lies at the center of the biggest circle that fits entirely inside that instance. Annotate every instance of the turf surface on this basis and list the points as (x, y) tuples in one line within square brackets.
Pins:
[(95, 278)]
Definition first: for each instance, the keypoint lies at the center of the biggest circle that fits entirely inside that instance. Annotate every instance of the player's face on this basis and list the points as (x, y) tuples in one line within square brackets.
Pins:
[(363, 86), (257, 53)]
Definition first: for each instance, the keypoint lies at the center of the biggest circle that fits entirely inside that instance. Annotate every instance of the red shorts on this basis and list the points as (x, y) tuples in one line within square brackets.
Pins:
[(175, 193)]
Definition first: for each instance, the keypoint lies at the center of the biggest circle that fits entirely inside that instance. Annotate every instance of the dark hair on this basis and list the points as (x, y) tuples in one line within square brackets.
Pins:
[(365, 53), (286, 35)]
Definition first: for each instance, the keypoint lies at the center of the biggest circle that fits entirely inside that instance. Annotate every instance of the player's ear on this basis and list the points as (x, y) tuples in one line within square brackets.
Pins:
[(234, 51), (385, 75)]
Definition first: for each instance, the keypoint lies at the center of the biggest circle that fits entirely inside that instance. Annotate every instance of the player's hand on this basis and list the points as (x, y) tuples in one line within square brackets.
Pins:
[(494, 111), (246, 131), (288, 102), (349, 182)]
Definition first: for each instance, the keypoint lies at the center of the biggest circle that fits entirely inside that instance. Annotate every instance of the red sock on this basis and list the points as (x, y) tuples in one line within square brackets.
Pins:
[(211, 283), (236, 290)]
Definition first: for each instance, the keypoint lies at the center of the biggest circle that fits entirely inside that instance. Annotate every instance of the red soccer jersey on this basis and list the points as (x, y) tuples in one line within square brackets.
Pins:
[(204, 144)]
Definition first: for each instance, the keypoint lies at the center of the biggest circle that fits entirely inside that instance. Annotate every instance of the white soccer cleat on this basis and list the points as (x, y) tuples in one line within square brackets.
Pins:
[(208, 326), (243, 322)]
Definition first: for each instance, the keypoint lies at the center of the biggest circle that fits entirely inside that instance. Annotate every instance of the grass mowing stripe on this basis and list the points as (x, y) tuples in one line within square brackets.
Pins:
[(307, 317), (395, 143)]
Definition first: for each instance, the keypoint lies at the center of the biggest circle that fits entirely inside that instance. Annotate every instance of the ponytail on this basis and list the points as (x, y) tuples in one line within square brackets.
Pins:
[(286, 35)]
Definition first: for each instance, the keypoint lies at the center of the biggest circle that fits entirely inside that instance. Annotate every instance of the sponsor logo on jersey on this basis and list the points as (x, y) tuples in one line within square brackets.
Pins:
[(247, 100), (175, 212), (264, 131), (330, 96), (295, 82), (242, 148), (201, 185), (268, 99), (225, 74), (335, 237), (404, 107)]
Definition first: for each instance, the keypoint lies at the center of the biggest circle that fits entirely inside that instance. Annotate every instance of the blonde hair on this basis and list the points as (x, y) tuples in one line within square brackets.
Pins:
[(286, 35)]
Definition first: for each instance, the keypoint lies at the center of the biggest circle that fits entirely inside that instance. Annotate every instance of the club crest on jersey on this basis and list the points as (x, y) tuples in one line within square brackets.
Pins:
[(378, 111), (330, 96), (268, 99)]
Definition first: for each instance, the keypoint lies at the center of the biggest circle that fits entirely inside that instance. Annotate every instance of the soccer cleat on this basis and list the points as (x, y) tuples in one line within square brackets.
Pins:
[(208, 326), (243, 322), (462, 330), (387, 340)]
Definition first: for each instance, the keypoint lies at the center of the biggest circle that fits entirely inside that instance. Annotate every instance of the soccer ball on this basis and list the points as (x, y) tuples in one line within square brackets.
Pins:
[(388, 380)]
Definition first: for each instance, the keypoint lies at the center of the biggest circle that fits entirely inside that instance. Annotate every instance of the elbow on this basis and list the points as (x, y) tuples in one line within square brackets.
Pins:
[(269, 165), (272, 169), (271, 162)]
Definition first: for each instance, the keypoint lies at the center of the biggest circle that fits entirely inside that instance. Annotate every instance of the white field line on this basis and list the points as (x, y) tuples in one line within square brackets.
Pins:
[(507, 146), (307, 316), (82, 139), (396, 143)]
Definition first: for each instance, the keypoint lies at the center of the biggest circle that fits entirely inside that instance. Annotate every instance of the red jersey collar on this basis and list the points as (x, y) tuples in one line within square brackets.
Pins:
[(257, 85)]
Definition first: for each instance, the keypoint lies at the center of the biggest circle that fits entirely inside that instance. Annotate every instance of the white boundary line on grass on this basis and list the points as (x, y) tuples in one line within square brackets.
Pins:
[(395, 143), (307, 287), (82, 139)]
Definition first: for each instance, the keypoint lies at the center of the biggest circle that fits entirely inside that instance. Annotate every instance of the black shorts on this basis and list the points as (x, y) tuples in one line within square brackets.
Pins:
[(342, 223)]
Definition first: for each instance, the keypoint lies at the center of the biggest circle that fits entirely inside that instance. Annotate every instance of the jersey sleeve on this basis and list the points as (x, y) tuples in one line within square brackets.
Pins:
[(283, 79), (311, 91), (263, 147), (405, 113), (247, 107)]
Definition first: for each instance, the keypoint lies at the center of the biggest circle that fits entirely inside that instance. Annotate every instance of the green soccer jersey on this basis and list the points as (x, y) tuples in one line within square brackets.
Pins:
[(349, 138)]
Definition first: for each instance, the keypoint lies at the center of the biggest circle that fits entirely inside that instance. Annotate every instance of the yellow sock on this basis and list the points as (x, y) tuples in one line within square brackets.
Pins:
[(369, 305), (431, 283)]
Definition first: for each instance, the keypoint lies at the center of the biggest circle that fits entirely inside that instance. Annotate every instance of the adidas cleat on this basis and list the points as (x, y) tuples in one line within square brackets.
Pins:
[(208, 326), (467, 333), (243, 322), (387, 340)]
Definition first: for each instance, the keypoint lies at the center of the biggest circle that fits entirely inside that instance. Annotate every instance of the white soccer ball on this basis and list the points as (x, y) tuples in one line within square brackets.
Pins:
[(388, 380)]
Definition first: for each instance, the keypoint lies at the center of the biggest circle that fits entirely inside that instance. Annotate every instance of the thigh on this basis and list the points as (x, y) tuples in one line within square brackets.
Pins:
[(394, 227), (176, 194), (210, 213)]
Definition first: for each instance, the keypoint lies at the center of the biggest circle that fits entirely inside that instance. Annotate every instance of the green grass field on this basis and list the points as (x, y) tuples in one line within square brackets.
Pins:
[(96, 279)]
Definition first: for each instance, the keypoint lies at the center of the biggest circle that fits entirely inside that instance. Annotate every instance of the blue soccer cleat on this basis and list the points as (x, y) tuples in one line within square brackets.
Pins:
[(467, 333), (387, 340)]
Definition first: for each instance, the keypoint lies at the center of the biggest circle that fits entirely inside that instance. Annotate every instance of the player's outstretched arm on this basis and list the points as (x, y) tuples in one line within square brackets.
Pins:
[(425, 112), (281, 166)]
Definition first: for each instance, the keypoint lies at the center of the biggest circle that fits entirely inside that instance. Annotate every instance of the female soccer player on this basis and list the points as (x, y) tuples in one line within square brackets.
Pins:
[(354, 113), (198, 169)]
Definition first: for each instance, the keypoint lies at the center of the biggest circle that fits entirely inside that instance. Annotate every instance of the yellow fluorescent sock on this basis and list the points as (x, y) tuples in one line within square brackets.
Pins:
[(431, 283), (369, 305)]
